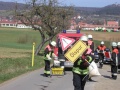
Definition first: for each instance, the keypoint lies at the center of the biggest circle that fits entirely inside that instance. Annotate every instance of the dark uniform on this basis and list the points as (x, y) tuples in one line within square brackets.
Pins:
[(119, 58), (80, 71), (48, 54), (101, 55), (114, 63), (91, 44)]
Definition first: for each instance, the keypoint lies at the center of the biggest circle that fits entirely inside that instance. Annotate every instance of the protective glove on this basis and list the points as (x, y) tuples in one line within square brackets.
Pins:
[(49, 58)]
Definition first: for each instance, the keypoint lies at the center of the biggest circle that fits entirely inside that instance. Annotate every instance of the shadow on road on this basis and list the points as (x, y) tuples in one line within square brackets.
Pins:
[(105, 76)]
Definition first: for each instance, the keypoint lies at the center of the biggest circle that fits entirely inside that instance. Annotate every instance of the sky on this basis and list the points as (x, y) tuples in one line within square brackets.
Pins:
[(80, 3)]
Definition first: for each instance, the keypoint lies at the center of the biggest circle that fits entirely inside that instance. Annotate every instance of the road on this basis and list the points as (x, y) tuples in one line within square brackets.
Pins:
[(36, 81)]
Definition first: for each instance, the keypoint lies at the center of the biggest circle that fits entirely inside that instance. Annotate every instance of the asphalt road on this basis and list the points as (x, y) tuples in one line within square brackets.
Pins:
[(36, 81)]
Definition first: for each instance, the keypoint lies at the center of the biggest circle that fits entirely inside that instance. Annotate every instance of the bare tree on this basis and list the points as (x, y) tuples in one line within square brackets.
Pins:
[(47, 17)]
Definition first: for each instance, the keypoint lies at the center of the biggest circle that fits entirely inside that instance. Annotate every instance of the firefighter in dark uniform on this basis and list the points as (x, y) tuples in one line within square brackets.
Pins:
[(100, 49), (91, 45), (114, 62), (80, 68), (118, 46), (61, 56), (48, 54)]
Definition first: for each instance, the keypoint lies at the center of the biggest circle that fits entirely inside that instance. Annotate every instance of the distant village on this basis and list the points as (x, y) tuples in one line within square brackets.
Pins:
[(106, 26)]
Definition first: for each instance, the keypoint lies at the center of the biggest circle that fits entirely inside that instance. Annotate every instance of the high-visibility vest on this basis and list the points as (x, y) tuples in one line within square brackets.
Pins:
[(50, 52), (48, 46), (116, 51), (101, 48), (78, 70)]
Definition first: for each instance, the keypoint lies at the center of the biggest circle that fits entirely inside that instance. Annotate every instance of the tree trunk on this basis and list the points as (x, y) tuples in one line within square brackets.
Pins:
[(39, 47)]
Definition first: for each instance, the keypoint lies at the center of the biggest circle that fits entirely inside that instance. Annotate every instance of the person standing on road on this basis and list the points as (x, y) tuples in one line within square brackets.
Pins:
[(48, 53), (114, 63), (91, 45), (118, 46), (100, 49), (80, 67)]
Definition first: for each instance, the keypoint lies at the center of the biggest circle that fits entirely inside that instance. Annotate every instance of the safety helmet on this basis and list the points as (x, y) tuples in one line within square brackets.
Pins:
[(89, 36), (102, 42), (84, 38), (107, 50), (118, 43), (53, 43), (114, 44)]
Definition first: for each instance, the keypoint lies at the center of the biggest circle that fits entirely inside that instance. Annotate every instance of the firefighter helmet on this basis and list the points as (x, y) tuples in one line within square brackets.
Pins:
[(114, 44), (53, 43), (118, 43), (90, 36), (102, 42), (84, 38)]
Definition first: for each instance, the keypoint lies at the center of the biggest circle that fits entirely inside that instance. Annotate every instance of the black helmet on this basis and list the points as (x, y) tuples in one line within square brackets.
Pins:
[(107, 50)]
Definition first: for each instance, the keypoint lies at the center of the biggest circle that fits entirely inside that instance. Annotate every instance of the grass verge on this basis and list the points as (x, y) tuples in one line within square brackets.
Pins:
[(12, 67)]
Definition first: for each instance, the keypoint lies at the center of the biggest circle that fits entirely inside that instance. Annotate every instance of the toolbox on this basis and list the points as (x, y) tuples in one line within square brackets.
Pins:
[(57, 71)]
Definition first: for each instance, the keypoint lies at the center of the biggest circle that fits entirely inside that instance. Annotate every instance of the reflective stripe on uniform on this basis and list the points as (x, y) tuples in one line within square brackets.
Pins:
[(79, 71), (61, 59), (115, 74), (46, 72), (90, 58)]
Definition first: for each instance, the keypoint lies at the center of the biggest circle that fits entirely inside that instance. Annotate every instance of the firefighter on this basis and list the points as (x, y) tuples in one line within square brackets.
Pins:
[(48, 57), (118, 46), (80, 67), (61, 56), (100, 49), (91, 45), (114, 62)]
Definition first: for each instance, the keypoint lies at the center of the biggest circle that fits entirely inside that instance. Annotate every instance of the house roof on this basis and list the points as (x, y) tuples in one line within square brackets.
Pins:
[(112, 23)]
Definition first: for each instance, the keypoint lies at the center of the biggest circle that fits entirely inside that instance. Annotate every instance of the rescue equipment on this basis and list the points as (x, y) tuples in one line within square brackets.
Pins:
[(93, 70)]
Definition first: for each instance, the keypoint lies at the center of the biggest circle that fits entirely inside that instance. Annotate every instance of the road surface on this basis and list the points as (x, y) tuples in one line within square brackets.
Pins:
[(36, 81)]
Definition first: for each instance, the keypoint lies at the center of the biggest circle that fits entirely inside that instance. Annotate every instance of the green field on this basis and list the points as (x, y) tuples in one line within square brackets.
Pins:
[(16, 52)]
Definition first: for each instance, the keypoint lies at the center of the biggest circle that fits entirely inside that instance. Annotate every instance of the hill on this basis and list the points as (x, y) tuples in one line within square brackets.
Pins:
[(113, 9), (10, 5)]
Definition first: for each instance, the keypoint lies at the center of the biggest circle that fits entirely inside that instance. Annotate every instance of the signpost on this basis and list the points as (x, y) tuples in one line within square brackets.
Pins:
[(76, 51), (65, 42)]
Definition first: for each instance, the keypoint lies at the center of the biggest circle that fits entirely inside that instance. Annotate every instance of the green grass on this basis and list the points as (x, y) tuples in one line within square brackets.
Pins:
[(12, 67), (16, 51), (18, 38)]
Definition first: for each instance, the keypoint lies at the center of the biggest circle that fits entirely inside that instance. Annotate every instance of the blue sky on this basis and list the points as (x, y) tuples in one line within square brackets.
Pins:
[(81, 3)]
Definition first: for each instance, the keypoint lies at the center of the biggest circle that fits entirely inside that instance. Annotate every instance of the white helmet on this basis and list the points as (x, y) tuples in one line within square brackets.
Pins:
[(118, 43), (102, 42), (84, 38), (90, 36), (114, 44), (53, 43)]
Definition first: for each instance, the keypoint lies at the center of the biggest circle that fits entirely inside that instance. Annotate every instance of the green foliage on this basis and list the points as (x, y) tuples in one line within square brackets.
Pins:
[(18, 38), (12, 67)]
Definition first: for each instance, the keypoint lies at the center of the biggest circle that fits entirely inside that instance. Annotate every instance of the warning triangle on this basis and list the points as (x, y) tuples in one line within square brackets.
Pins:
[(65, 42)]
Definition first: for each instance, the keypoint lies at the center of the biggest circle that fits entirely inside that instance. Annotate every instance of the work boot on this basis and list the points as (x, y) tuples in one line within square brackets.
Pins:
[(90, 80)]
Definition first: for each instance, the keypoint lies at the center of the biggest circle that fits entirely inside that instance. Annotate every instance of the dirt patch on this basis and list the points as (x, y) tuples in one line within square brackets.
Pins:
[(104, 36), (13, 53)]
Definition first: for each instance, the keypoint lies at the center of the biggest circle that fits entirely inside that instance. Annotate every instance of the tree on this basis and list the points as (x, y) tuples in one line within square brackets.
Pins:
[(47, 17)]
